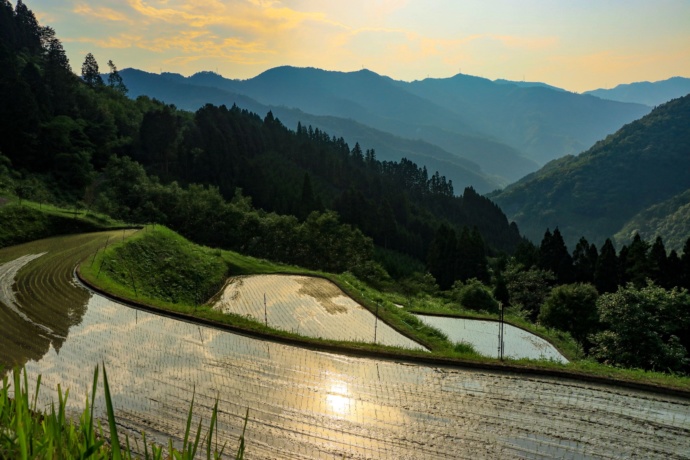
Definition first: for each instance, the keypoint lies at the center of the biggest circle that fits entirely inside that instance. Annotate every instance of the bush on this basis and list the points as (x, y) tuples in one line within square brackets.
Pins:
[(474, 296), (644, 328), (572, 308)]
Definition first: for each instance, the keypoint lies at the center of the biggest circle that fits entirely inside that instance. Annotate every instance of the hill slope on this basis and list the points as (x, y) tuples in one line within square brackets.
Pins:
[(598, 192)]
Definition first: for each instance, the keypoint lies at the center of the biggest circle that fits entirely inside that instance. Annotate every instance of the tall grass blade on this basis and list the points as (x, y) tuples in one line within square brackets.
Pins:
[(214, 416), (114, 440), (94, 387), (240, 450), (21, 416), (189, 422), (38, 385)]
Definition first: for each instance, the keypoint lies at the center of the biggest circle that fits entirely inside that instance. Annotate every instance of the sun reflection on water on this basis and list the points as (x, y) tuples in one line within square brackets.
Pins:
[(338, 400)]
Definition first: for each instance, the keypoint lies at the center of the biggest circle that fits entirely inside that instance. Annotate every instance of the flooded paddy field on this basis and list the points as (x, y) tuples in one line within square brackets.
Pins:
[(483, 335), (310, 306), (312, 405)]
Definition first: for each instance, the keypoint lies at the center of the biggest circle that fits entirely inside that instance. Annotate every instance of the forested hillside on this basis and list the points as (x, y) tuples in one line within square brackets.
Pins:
[(262, 186), (600, 192)]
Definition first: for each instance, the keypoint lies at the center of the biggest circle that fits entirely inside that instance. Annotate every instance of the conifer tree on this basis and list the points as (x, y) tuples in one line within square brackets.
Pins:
[(584, 261), (674, 271), (685, 265), (606, 269), (636, 268), (442, 258), (554, 256), (658, 261), (115, 80), (89, 71)]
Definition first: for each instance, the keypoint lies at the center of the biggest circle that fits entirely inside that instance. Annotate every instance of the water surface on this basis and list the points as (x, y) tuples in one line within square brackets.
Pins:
[(313, 405)]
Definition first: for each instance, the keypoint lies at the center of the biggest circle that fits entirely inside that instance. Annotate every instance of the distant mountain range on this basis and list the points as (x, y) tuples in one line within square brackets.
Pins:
[(634, 181), (181, 91), (648, 93), (472, 130)]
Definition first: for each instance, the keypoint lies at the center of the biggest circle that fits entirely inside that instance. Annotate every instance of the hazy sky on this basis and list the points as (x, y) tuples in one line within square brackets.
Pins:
[(574, 44)]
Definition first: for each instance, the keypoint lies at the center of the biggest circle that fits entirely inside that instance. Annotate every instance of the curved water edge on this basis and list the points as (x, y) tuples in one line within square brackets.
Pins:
[(309, 404), (306, 305), (483, 336)]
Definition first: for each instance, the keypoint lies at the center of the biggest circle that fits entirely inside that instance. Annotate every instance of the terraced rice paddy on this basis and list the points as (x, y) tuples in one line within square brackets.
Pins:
[(309, 306), (483, 335), (312, 405)]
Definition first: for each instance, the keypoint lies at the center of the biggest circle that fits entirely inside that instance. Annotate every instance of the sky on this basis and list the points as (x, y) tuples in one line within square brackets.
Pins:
[(577, 45)]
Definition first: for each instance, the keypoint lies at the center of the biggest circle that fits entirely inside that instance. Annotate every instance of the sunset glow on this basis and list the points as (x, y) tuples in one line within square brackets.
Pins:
[(579, 45)]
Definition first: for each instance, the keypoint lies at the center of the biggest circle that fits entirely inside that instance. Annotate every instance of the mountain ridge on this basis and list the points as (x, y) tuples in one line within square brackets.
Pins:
[(176, 89), (645, 92)]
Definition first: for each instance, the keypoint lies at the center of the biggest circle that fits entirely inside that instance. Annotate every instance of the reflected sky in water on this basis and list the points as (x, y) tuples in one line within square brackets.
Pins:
[(483, 335), (315, 405), (318, 405)]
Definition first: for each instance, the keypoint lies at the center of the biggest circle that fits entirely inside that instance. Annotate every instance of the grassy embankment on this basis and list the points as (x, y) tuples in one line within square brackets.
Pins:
[(157, 267), (28, 221)]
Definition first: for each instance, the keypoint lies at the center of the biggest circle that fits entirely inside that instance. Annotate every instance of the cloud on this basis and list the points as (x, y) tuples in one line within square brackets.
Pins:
[(102, 13)]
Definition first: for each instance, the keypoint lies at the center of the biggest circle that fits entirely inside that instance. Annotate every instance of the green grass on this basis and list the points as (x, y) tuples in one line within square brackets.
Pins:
[(150, 268), (26, 433), (29, 221)]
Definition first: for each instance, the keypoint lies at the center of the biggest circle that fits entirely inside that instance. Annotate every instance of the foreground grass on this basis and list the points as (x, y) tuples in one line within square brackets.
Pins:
[(158, 267), (26, 433)]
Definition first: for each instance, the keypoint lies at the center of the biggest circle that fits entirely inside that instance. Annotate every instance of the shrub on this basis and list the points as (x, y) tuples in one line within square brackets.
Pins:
[(474, 295)]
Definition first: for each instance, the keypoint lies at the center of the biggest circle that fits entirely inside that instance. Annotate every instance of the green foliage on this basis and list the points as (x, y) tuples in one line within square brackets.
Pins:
[(32, 221), (89, 71), (397, 264), (642, 328), (474, 295), (115, 80), (459, 256), (528, 288), (27, 433), (572, 308), (162, 265), (373, 273)]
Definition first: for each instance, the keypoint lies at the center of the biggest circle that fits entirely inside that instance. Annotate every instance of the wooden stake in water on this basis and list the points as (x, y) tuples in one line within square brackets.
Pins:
[(376, 319), (501, 345), (265, 311)]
